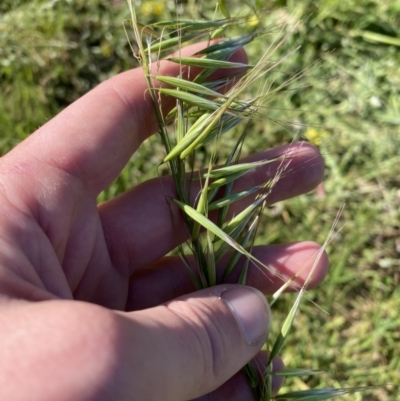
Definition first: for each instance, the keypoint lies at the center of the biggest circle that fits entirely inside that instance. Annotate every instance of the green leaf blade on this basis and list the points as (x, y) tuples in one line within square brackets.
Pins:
[(207, 63)]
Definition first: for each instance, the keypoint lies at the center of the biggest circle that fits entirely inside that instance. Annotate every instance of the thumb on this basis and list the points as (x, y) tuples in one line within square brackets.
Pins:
[(192, 345)]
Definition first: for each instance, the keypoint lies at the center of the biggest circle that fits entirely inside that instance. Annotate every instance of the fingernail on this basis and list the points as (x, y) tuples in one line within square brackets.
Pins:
[(251, 311)]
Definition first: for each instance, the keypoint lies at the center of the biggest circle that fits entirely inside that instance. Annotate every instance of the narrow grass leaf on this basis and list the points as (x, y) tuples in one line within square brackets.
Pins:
[(196, 130), (211, 265), (145, 29), (223, 8), (235, 234), (232, 43), (243, 274), (208, 127), (163, 44), (232, 198), (293, 372), (191, 99), (238, 168), (202, 206), (222, 212), (222, 54), (180, 122), (209, 225), (232, 158), (220, 182), (253, 380), (251, 232), (191, 24), (275, 296), (243, 215), (197, 249), (188, 86), (235, 258), (251, 5), (219, 31), (289, 282), (202, 133), (192, 276), (286, 326), (316, 394), (207, 63), (377, 37), (226, 123)]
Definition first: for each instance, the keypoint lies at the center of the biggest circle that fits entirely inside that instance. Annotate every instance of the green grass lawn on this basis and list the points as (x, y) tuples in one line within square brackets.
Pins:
[(347, 103)]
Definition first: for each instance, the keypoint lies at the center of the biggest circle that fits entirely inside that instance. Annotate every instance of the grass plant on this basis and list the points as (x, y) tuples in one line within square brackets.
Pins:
[(52, 52), (200, 120)]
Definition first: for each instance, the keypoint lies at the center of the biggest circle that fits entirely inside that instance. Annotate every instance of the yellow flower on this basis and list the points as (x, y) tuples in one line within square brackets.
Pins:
[(152, 8), (316, 136), (253, 21)]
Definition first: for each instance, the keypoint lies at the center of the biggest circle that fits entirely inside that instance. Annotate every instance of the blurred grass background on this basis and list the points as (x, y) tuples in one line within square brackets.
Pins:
[(53, 51)]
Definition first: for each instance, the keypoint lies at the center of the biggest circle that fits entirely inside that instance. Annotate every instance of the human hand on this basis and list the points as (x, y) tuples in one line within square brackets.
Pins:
[(90, 308)]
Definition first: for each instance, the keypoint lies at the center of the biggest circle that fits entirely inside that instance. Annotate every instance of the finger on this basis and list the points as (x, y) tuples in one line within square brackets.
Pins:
[(206, 338), (168, 278), (142, 217), (237, 387), (178, 351), (94, 137)]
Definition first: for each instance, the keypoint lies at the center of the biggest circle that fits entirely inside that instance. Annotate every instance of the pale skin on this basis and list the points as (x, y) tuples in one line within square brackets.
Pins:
[(90, 309)]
